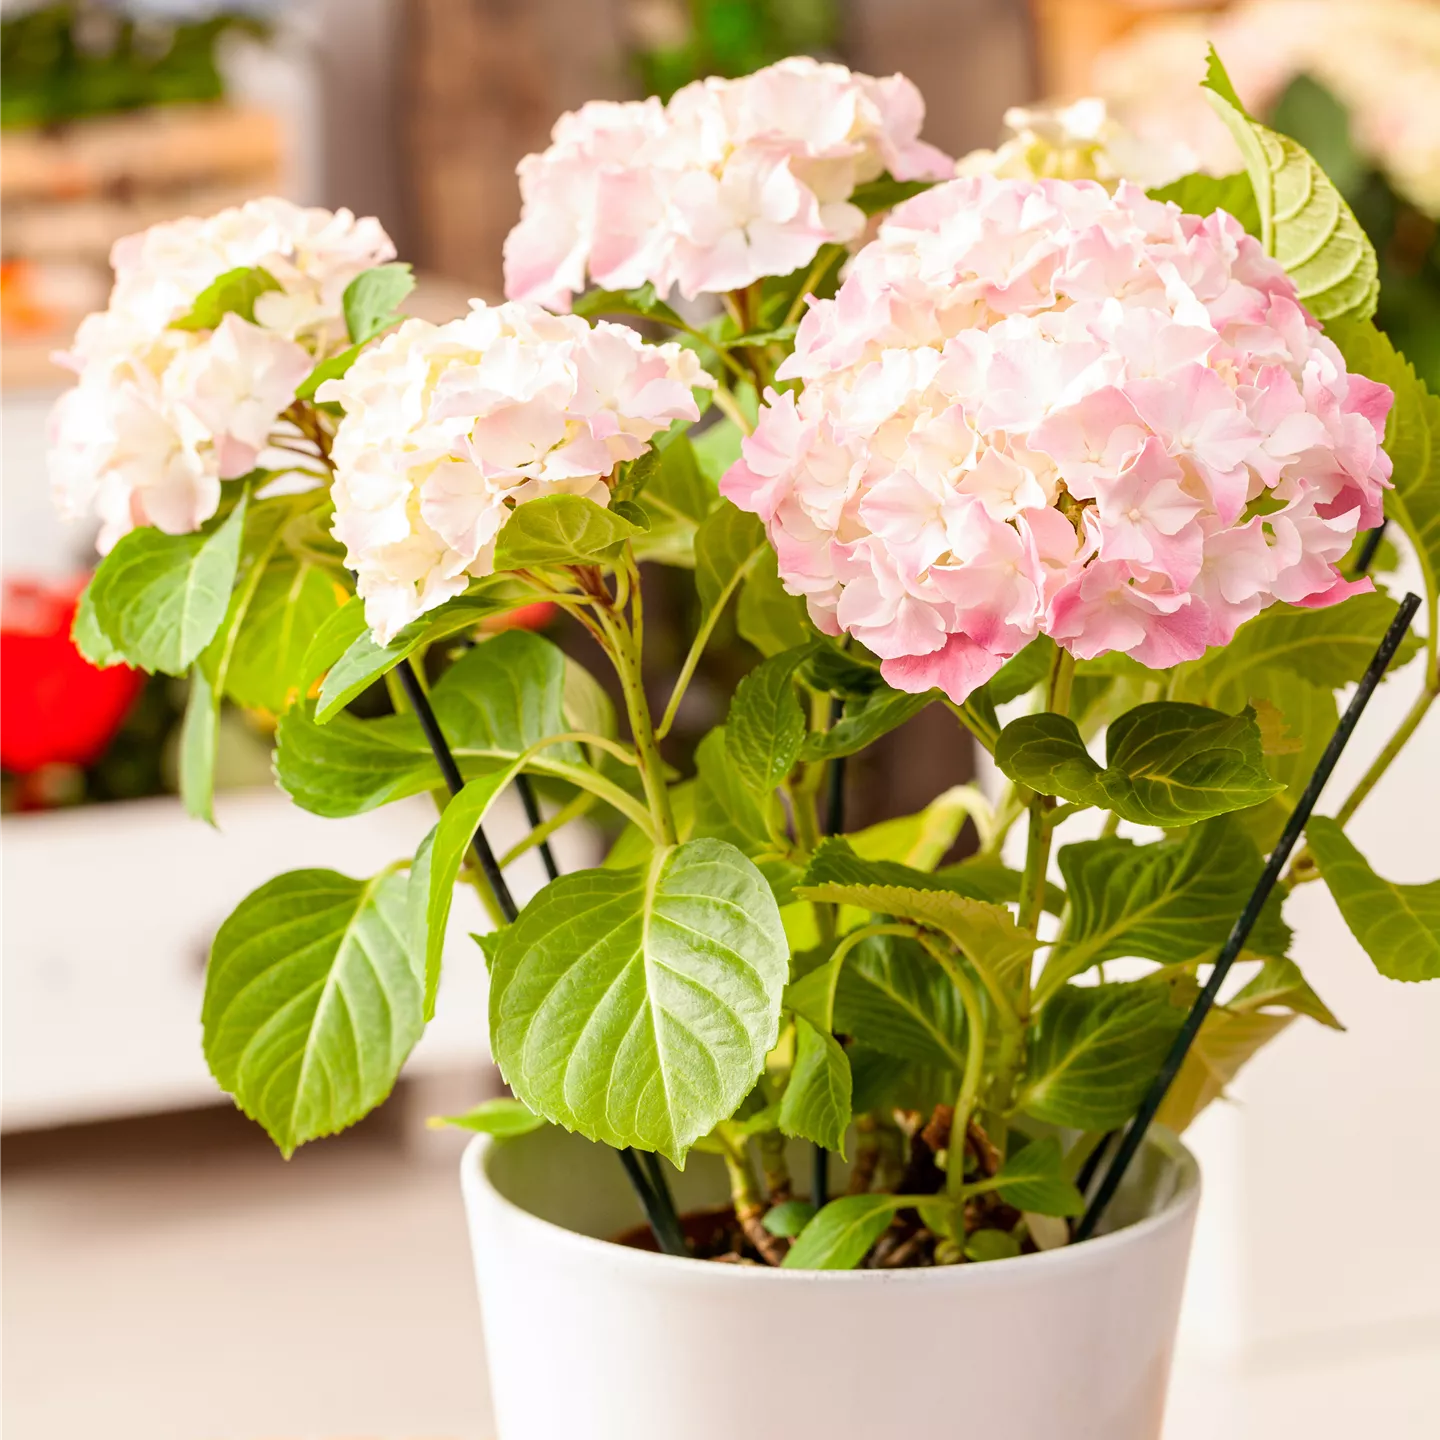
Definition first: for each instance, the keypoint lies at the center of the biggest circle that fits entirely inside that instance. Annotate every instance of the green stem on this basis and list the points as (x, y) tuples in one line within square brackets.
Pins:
[(1037, 850), (1396, 744), (970, 1079), (728, 406), (652, 769), (577, 807), (697, 646)]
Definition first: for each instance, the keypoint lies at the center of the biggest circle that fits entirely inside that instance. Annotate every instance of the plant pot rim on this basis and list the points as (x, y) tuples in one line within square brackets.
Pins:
[(474, 1176)]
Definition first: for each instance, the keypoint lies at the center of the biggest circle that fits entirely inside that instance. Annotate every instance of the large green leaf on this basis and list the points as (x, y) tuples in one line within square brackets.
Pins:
[(159, 598), (364, 662), (437, 867), (816, 1103), (496, 701), (1171, 901), (892, 997), (199, 743), (1304, 222), (1169, 764), (1412, 441), (1096, 1049), (637, 1006), (371, 298), (1226, 1041), (312, 1001), (1202, 194), (766, 724), (90, 640), (234, 292), (1398, 925), (840, 1235), (725, 809), (561, 530)]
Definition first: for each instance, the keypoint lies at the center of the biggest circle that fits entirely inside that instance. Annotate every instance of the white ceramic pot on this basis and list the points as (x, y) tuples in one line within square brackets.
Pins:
[(597, 1341)]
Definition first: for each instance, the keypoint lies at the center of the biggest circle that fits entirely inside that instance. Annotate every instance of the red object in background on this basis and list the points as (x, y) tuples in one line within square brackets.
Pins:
[(535, 616), (55, 706)]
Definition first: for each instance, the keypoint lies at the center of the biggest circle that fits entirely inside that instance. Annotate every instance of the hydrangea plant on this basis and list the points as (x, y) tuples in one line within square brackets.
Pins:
[(1086, 467)]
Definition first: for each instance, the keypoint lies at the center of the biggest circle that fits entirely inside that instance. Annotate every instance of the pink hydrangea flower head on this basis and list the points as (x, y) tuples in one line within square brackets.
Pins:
[(1035, 407), (448, 427), (731, 181)]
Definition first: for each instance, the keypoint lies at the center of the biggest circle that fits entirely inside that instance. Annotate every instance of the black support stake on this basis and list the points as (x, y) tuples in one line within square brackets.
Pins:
[(670, 1238), (1130, 1142)]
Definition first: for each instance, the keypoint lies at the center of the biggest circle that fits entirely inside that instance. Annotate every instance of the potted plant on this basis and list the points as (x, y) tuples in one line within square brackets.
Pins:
[(1061, 457)]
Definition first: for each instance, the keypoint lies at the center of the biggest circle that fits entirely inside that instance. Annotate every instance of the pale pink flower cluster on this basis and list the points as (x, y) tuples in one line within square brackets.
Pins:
[(160, 416), (731, 181), (1034, 408), (448, 427)]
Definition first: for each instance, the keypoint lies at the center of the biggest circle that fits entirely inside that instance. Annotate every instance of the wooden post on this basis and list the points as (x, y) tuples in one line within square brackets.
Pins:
[(484, 81)]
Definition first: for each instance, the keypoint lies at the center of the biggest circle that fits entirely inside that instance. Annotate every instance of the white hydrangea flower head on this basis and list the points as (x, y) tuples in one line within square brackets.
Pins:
[(448, 427), (159, 416)]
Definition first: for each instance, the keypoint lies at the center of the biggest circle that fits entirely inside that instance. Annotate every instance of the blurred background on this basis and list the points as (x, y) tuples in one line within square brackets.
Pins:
[(165, 1273)]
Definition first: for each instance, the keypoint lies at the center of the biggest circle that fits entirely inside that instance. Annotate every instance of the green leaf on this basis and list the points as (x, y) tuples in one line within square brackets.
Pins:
[(432, 880), (561, 530), (333, 639), (161, 597), (727, 545), (503, 1118), (637, 1006), (1280, 985), (893, 998), (835, 862), (234, 292), (312, 1001), (1412, 441), (371, 297), (1329, 647), (885, 193), (1308, 113), (987, 934), (924, 838), (496, 701), (1225, 1042), (1022, 672), (90, 640), (1202, 194), (991, 1244), (725, 809), (865, 721), (789, 1218), (1034, 1179), (676, 497), (1304, 222), (1173, 901), (840, 1236), (766, 724), (769, 618), (1169, 764), (335, 367), (643, 301), (780, 335), (717, 448), (364, 662), (1397, 925), (199, 740), (816, 1103), (293, 599), (1095, 1051)]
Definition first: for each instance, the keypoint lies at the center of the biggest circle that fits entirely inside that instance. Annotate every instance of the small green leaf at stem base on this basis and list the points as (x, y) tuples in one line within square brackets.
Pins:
[(787, 1220), (840, 1235), (235, 292), (371, 298), (503, 1118)]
